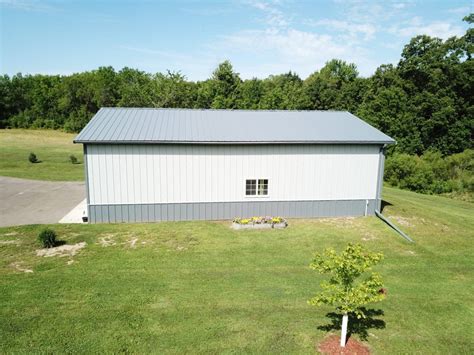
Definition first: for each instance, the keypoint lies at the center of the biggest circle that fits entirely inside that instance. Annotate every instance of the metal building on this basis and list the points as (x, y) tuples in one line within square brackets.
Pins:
[(146, 165)]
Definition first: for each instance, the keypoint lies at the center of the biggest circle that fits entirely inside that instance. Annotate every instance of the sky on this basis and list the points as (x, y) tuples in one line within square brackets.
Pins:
[(259, 37)]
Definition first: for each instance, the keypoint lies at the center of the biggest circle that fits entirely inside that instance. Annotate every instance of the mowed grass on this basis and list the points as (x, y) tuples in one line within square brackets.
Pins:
[(52, 148), (200, 287)]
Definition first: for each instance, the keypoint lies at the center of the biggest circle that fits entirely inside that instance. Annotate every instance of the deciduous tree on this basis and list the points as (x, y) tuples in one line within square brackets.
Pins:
[(351, 284)]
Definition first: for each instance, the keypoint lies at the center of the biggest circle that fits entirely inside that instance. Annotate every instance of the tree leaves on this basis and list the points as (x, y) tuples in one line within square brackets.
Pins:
[(350, 285)]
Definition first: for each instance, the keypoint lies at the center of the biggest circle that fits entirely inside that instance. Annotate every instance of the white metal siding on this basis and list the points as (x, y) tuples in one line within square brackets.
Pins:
[(131, 174)]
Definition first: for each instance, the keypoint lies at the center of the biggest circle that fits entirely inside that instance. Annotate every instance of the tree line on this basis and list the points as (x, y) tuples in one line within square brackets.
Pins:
[(425, 101)]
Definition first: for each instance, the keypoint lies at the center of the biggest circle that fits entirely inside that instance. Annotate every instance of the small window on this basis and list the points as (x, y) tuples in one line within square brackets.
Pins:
[(254, 187)]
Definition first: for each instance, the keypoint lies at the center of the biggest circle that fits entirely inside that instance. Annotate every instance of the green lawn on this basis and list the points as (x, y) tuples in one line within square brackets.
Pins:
[(52, 148), (201, 287)]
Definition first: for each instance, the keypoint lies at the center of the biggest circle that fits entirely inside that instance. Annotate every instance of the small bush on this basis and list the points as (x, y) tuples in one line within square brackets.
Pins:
[(47, 238), (32, 158), (73, 159)]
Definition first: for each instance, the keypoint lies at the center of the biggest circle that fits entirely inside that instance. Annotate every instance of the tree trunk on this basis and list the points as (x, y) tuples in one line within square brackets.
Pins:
[(345, 320)]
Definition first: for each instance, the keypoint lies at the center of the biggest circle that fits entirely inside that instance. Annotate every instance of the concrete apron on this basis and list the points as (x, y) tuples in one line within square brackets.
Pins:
[(76, 214)]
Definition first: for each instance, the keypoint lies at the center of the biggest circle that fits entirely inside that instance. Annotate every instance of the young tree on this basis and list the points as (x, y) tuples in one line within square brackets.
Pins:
[(343, 289), (325, 89), (251, 92), (135, 87), (225, 83), (284, 92)]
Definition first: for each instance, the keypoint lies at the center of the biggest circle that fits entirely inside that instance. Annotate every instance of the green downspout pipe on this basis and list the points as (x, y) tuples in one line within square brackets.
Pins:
[(379, 195), (383, 218)]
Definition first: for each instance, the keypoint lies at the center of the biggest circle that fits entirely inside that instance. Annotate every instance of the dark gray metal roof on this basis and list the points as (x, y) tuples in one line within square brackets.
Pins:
[(156, 125)]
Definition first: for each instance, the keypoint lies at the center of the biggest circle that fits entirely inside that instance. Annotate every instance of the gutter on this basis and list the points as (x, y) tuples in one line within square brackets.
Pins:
[(301, 142), (398, 230)]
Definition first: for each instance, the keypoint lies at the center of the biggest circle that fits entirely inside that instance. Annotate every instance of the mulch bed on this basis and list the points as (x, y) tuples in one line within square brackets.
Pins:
[(331, 346)]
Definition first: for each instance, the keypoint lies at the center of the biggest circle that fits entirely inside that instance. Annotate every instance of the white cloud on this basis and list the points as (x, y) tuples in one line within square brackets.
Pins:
[(374, 12), (363, 11), (281, 46), (291, 43), (348, 29), (416, 26), (274, 17), (282, 50)]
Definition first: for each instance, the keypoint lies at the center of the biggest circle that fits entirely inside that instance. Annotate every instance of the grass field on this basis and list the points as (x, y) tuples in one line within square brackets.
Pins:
[(52, 148), (200, 287)]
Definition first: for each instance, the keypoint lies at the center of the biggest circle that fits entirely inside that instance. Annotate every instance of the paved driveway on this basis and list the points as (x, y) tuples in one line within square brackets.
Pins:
[(30, 201)]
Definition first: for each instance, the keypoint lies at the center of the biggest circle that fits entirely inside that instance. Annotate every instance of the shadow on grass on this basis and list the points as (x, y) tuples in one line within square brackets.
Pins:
[(384, 204), (360, 327), (58, 243)]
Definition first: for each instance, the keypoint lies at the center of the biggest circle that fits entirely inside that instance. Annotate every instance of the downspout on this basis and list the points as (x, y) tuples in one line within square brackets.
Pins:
[(383, 218), (378, 202), (379, 196)]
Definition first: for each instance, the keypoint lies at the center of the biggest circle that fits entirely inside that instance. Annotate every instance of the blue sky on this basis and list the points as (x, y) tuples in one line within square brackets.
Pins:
[(259, 37)]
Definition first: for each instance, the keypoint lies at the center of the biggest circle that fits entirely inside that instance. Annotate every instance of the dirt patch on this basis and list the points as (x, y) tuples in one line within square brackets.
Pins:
[(63, 250), (70, 262), (181, 244), (10, 234), (340, 221), (410, 252), (331, 346), (403, 221), (16, 241), (368, 237), (409, 221), (17, 266), (107, 240), (133, 242)]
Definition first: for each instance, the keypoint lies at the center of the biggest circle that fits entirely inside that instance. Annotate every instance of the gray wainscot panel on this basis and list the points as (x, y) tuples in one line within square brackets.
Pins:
[(228, 210)]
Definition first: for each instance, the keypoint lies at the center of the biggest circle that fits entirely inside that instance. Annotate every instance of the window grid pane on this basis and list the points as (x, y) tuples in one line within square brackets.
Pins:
[(263, 187), (251, 187)]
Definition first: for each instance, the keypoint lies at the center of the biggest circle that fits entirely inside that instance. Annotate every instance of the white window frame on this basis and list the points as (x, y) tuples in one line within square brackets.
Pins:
[(256, 188)]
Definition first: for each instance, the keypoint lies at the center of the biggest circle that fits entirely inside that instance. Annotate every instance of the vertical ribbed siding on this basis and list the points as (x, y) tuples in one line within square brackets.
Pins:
[(150, 174), (227, 210)]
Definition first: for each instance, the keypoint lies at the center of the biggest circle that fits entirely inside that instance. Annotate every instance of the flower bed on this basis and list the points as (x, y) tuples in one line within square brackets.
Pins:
[(259, 223)]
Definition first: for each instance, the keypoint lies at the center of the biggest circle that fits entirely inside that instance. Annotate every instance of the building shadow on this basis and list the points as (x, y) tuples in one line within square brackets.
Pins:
[(360, 326)]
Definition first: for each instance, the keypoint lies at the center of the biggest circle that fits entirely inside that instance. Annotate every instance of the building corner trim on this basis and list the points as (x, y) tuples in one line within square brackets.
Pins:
[(380, 177), (86, 175)]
